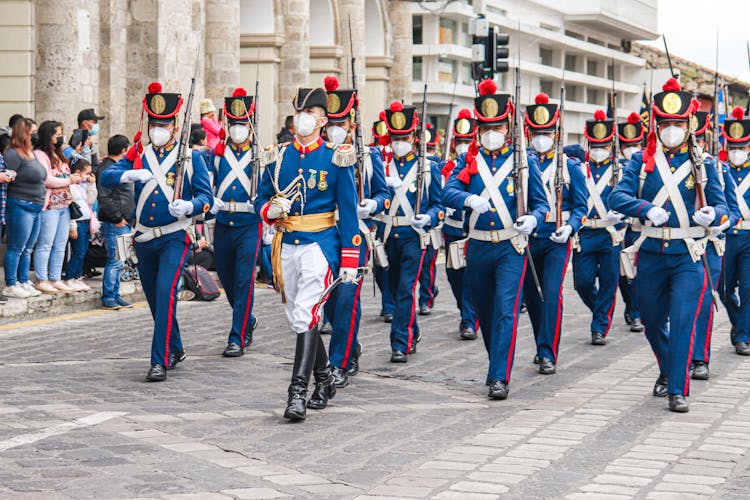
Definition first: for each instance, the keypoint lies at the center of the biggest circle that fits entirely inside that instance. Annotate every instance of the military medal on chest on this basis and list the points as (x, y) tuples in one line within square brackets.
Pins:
[(311, 181), (690, 182), (170, 179), (509, 187), (323, 183)]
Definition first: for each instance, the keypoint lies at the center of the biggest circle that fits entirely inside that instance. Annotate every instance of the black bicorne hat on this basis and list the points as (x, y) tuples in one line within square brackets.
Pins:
[(307, 98)]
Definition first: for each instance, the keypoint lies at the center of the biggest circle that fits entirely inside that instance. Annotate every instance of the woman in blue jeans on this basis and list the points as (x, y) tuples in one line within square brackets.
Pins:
[(26, 194), (81, 229)]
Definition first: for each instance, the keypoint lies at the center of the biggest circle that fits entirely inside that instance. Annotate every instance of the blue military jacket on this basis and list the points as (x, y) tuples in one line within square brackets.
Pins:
[(574, 195), (235, 193)]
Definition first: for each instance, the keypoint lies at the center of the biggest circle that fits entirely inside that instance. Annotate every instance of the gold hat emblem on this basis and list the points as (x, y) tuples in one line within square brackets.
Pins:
[(541, 115), (629, 131), (158, 104), (463, 126), (671, 103), (489, 108), (398, 120), (736, 130), (381, 128), (693, 122), (238, 107), (427, 136), (599, 131), (334, 103)]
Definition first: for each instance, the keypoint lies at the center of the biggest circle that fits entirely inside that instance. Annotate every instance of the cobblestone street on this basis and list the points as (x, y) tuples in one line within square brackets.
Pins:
[(78, 421)]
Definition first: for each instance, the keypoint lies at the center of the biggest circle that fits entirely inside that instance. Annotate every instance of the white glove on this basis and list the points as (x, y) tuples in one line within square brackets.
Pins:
[(393, 182), (250, 207), (279, 207), (613, 216), (180, 208), (140, 175), (705, 216), (657, 216), (217, 206), (562, 235), (477, 203), (366, 208), (526, 224), (348, 274), (420, 221)]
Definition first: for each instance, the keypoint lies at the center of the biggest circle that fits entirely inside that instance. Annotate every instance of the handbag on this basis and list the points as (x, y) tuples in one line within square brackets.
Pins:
[(75, 211)]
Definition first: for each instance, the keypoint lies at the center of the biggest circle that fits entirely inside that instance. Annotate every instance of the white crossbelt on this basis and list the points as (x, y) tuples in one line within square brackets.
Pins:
[(595, 201), (237, 172), (548, 181), (400, 201), (458, 224), (744, 209)]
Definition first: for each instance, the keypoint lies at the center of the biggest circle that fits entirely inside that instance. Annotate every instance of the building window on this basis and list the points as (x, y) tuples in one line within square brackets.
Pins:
[(448, 31), (546, 56), (592, 67), (571, 92), (466, 78), (610, 71), (597, 42), (593, 96), (571, 61), (416, 30), (446, 70), (573, 34), (465, 36), (416, 69), (546, 87)]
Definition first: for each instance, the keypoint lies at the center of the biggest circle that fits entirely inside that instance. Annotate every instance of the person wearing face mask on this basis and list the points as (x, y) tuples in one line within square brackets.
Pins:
[(162, 223), (630, 134), (550, 247), (454, 228), (484, 183), (304, 183), (596, 263), (238, 230), (88, 120), (658, 187), (405, 234), (428, 289), (343, 307)]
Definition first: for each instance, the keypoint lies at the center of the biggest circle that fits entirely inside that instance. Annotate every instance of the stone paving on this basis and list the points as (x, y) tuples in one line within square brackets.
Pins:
[(78, 421)]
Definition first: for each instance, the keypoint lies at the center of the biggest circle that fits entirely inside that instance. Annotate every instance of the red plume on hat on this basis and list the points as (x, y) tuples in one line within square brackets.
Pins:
[(154, 88), (738, 113), (600, 115), (396, 106), (672, 85), (487, 87), (382, 116), (541, 98), (634, 118), (464, 113), (239, 92), (331, 83)]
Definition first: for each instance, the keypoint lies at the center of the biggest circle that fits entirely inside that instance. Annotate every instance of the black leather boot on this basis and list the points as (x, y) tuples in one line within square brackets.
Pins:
[(325, 385), (353, 368), (304, 359)]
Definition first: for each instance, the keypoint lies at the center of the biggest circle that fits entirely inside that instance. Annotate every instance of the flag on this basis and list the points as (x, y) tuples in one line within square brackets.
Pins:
[(646, 110), (721, 112), (610, 102)]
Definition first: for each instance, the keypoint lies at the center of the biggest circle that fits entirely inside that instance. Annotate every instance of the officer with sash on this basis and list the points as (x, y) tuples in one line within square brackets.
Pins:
[(344, 306), (404, 231), (454, 229), (238, 231), (304, 183), (596, 261), (677, 198), (550, 247), (162, 224), (631, 134), (428, 289), (484, 182)]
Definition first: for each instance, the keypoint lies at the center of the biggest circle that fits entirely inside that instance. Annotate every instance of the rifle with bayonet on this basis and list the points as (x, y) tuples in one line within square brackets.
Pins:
[(359, 142), (255, 178), (559, 159), (422, 150), (615, 137), (449, 130), (183, 149)]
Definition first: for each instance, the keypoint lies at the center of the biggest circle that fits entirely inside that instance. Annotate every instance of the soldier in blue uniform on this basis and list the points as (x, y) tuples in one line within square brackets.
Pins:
[(428, 289), (550, 247), (162, 224), (660, 188), (486, 182), (343, 307), (238, 233), (454, 229), (631, 134), (405, 230), (303, 184), (596, 261)]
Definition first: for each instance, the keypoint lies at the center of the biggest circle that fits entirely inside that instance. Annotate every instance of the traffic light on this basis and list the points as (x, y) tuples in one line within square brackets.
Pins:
[(500, 57), (489, 50)]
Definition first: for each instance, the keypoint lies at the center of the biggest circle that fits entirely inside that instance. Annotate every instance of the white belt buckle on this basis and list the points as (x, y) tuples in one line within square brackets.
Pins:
[(394, 220), (232, 207), (495, 236), (666, 233)]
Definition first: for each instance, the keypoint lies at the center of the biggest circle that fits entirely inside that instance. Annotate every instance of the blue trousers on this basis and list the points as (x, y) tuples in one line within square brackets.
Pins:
[(113, 267), (461, 292), (265, 262), (160, 264), (495, 274), (405, 258), (705, 323), (427, 284), (23, 223), (736, 296), (628, 288), (671, 289), (79, 246), (387, 304), (551, 261), (344, 310), (596, 275), (236, 256)]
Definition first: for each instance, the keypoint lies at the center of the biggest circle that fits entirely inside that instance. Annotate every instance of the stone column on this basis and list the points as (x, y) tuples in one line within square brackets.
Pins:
[(294, 69), (142, 60), (353, 10), (112, 68), (222, 48), (399, 86)]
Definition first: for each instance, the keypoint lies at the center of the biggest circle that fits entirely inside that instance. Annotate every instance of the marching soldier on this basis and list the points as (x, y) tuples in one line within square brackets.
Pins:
[(162, 223), (238, 230), (344, 306), (487, 182), (596, 262), (454, 229), (428, 289), (303, 184), (550, 247), (405, 225), (631, 134), (664, 188)]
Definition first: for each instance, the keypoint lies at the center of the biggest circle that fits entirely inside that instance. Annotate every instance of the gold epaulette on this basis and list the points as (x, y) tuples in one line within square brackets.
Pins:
[(344, 155), (269, 155)]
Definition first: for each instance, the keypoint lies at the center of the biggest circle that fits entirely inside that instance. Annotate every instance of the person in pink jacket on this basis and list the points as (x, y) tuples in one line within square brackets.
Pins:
[(210, 124)]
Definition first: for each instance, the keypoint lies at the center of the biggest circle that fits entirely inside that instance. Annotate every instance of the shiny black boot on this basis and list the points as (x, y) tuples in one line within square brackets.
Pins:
[(304, 359), (325, 385)]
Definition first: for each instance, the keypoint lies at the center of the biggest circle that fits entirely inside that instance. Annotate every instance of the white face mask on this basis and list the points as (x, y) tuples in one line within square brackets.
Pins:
[(159, 136), (738, 157), (630, 151), (305, 123), (599, 155), (336, 134), (239, 133), (401, 148), (672, 136), (542, 143), (492, 140), (462, 148)]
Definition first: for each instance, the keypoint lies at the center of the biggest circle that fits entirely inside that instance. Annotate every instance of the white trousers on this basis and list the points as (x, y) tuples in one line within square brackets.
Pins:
[(306, 275)]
